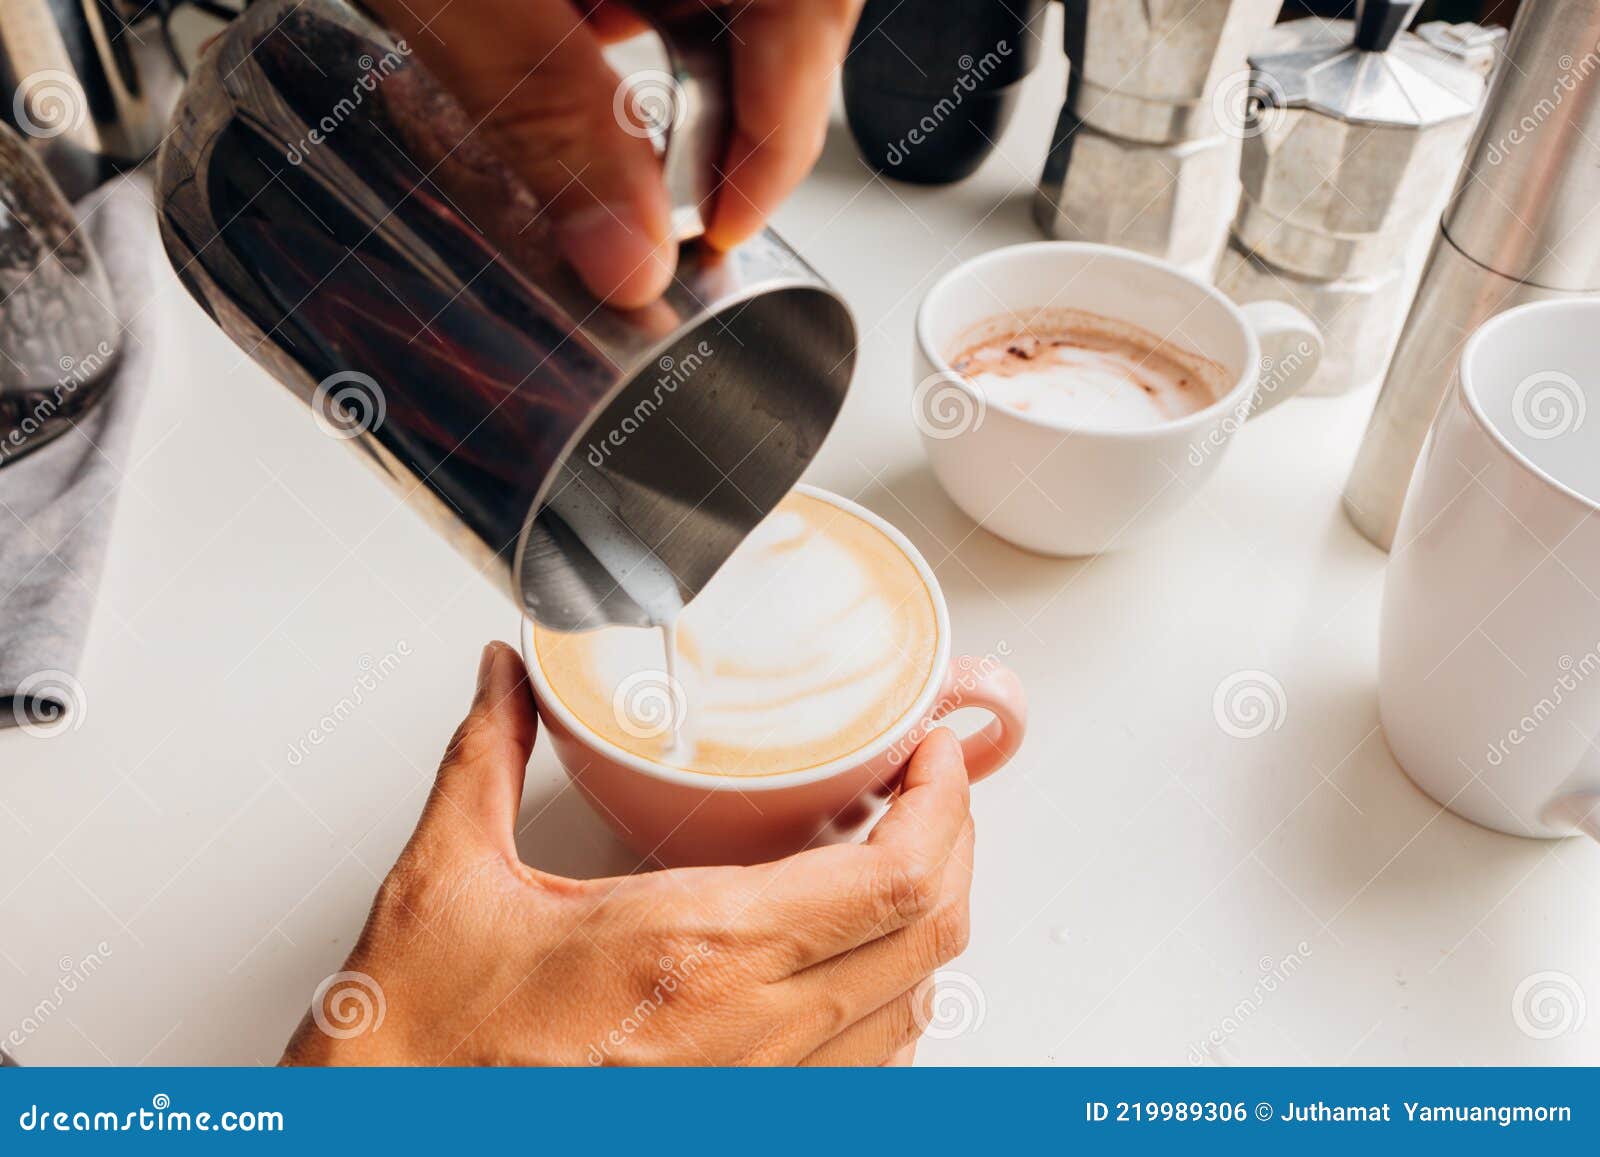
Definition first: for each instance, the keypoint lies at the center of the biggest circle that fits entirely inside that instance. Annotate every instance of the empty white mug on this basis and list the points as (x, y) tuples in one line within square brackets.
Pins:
[(1066, 489), (1489, 668)]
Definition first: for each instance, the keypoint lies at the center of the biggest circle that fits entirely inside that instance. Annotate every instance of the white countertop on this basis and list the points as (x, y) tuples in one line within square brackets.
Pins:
[(1143, 877)]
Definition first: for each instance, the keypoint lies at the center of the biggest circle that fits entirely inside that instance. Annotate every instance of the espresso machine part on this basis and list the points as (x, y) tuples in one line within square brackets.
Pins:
[(929, 85), (1145, 150), (59, 333), (1148, 71), (88, 84), (1470, 43), (1354, 122), (330, 206), (1521, 226)]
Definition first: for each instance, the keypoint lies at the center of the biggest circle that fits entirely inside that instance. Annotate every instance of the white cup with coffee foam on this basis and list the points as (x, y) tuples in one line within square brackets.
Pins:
[(806, 672), (1033, 437)]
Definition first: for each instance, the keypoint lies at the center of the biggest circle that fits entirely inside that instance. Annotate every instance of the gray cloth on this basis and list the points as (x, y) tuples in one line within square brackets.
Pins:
[(57, 504)]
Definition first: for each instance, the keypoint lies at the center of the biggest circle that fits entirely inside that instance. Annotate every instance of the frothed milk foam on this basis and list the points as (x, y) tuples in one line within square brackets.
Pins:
[(815, 638), (1068, 365)]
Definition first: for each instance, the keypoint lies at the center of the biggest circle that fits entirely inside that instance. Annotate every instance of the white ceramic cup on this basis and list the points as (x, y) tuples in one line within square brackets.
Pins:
[(1062, 489), (681, 817), (1489, 656)]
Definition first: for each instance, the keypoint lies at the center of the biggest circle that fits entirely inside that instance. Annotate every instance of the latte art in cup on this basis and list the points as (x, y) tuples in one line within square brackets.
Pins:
[(813, 640), (1072, 366)]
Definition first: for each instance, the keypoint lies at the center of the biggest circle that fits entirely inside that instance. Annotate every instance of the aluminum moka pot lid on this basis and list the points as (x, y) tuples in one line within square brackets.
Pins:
[(1365, 71)]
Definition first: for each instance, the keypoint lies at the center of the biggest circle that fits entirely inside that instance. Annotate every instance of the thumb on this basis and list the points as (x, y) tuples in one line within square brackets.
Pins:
[(533, 75), (478, 791)]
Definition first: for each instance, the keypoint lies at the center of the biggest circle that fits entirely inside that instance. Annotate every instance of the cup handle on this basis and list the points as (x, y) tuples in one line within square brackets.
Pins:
[(1291, 351), (983, 683)]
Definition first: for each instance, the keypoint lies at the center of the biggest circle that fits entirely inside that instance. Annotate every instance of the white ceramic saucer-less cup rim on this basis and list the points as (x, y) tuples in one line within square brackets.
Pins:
[(1247, 376), (708, 781), (1469, 387)]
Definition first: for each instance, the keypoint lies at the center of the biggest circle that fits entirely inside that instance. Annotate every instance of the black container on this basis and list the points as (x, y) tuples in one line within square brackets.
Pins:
[(930, 85)]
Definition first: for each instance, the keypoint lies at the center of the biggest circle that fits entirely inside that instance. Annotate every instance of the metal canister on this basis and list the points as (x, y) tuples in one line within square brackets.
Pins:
[(1522, 225)]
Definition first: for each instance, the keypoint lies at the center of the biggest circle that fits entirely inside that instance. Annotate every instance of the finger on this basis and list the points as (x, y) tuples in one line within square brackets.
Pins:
[(905, 1058), (534, 77), (613, 21), (851, 985), (933, 803), (885, 1036), (478, 790), (785, 55), (829, 900)]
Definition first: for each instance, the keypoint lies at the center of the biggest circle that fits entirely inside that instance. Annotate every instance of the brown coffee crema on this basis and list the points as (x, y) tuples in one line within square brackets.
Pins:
[(1077, 367), (811, 642)]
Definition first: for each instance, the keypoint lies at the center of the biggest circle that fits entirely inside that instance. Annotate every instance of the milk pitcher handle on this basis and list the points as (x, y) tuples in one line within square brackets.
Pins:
[(691, 118)]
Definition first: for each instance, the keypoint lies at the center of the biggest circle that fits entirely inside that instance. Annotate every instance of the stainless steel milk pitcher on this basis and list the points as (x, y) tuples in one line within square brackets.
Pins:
[(329, 206)]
